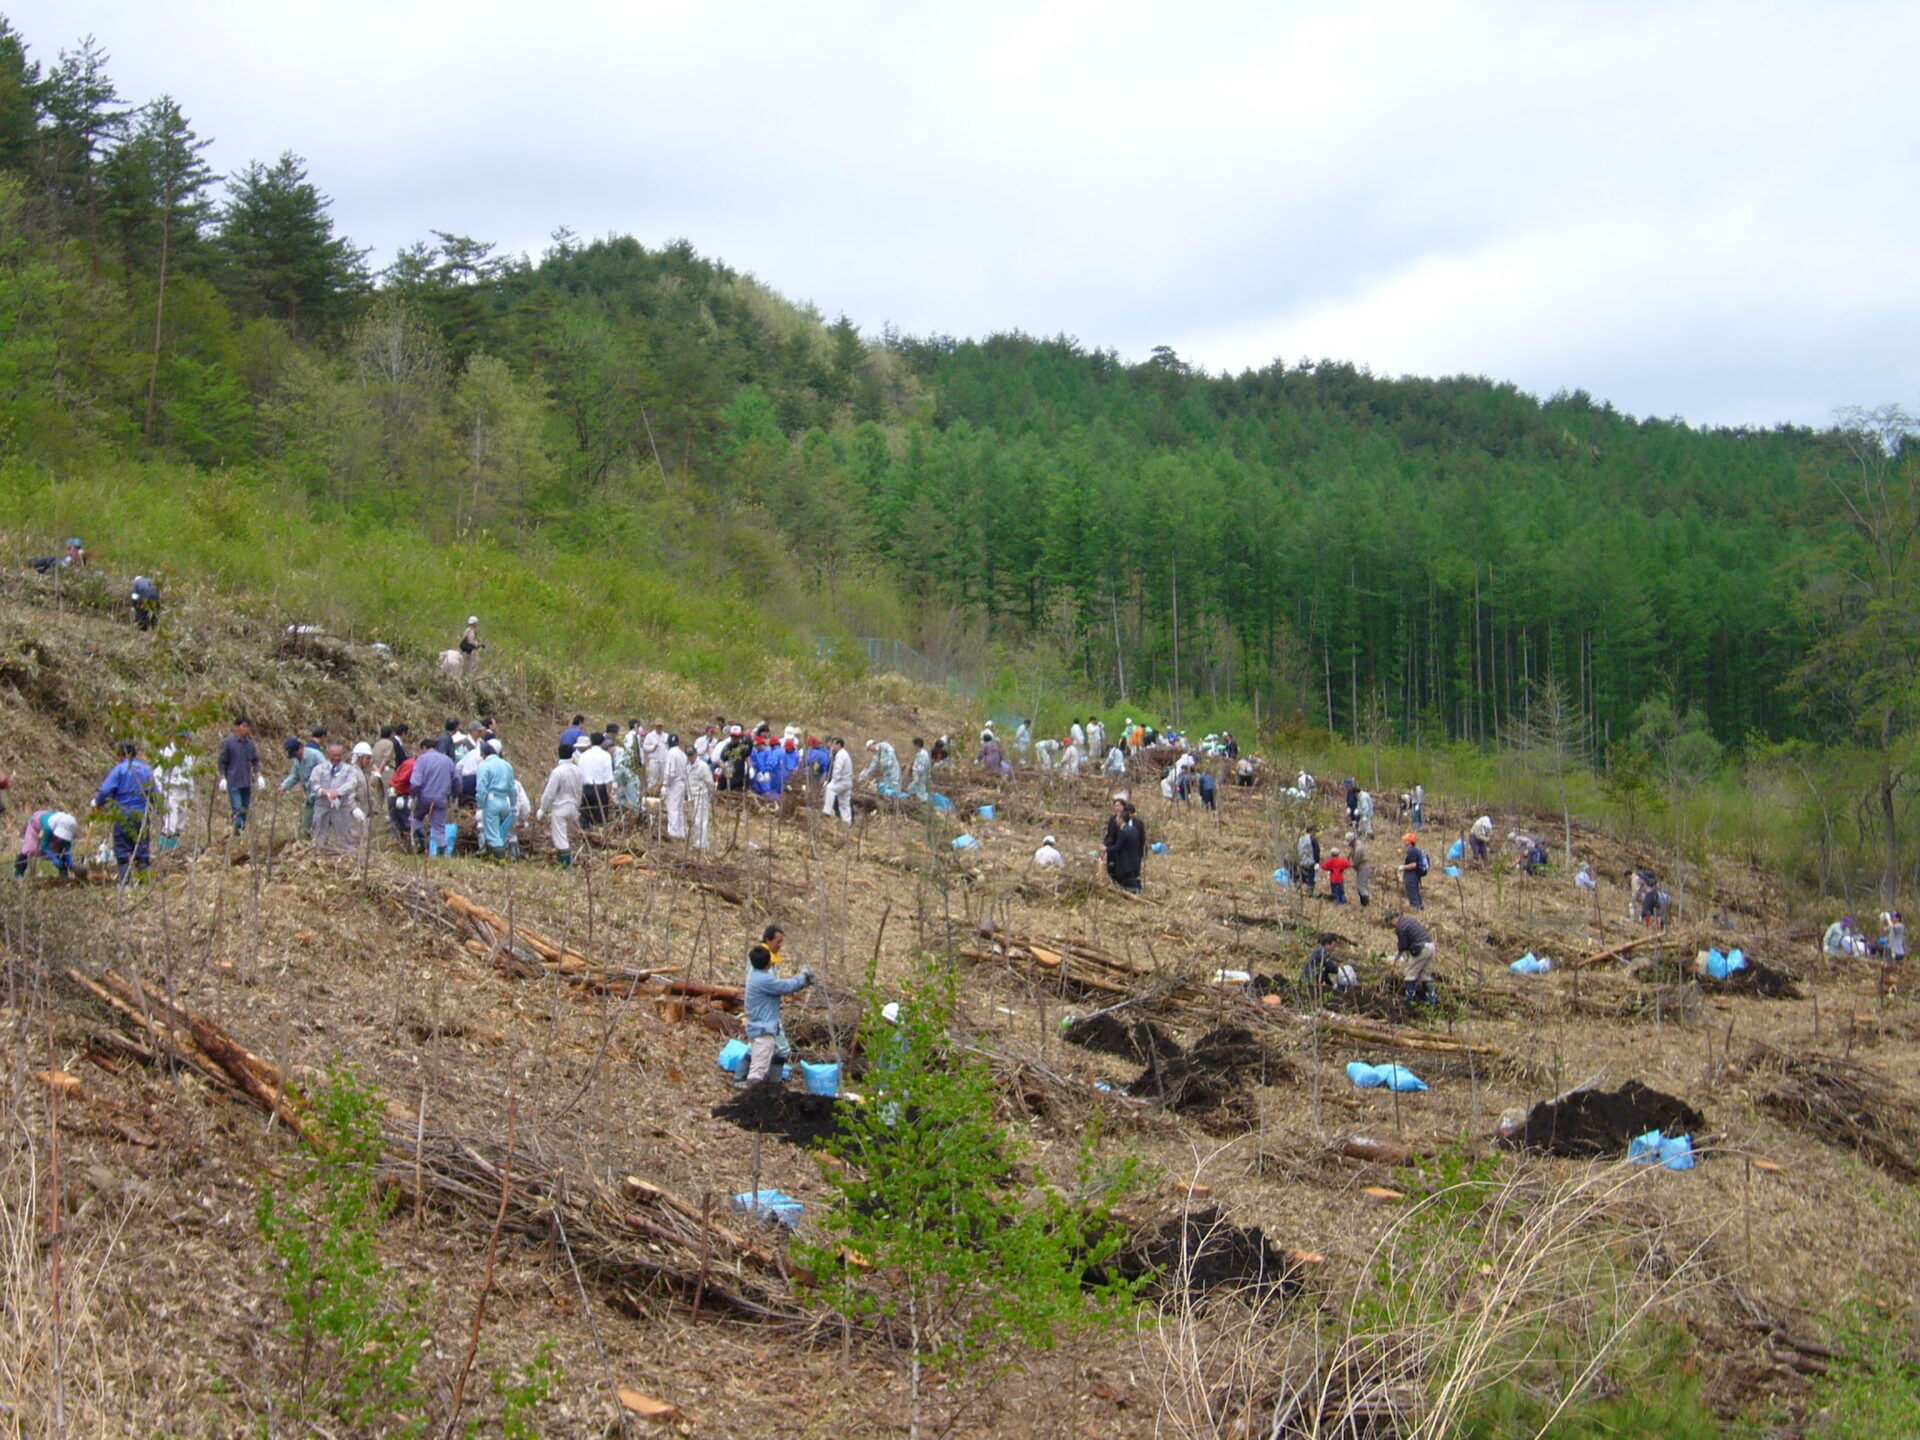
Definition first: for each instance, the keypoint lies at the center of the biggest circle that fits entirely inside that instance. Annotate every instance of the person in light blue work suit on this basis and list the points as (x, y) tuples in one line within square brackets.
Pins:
[(495, 793), (303, 758), (765, 1036), (125, 794)]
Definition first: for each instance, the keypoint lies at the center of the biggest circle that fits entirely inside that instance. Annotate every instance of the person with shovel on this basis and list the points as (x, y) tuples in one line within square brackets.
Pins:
[(766, 1037), (1415, 952)]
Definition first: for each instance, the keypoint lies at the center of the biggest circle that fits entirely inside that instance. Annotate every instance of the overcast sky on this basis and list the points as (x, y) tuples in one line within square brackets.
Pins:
[(1705, 210)]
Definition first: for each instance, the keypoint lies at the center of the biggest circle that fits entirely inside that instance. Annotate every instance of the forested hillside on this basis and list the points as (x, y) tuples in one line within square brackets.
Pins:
[(628, 452)]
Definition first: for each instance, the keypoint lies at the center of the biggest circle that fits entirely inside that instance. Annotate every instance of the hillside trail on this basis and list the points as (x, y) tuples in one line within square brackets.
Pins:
[(549, 1032)]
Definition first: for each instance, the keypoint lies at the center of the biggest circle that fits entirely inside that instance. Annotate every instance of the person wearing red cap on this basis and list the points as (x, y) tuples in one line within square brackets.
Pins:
[(1413, 868)]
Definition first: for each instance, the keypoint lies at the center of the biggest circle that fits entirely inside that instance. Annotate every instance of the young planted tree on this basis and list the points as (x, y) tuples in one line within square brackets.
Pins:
[(1552, 737), (942, 1236)]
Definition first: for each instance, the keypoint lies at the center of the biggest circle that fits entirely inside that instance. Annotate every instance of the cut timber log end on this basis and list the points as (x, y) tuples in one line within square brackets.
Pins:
[(1616, 952)]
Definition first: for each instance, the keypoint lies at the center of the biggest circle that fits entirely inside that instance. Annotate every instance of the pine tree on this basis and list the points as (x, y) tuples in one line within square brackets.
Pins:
[(19, 100), (82, 119), (284, 258), (156, 191)]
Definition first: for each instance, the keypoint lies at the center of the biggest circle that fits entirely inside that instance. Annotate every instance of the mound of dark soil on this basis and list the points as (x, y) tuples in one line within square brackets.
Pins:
[(1592, 1123), (1140, 1041), (1757, 980), (1208, 1077), (792, 1115), (1199, 1252)]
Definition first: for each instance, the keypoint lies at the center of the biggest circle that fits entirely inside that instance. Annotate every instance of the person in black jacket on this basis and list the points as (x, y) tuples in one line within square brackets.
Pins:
[(1128, 849)]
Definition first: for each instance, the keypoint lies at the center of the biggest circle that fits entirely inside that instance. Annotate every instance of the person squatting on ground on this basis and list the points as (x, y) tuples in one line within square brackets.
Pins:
[(1415, 952), (766, 1037), (49, 836)]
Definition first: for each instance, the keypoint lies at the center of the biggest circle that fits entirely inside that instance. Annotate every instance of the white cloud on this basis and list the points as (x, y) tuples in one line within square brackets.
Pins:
[(1697, 208)]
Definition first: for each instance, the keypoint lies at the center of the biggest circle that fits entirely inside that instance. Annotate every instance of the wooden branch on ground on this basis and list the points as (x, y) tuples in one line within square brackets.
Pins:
[(1401, 1037), (1616, 952)]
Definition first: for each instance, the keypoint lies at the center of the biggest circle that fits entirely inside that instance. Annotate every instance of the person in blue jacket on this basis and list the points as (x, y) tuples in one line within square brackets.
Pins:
[(782, 763), (819, 758), (125, 794)]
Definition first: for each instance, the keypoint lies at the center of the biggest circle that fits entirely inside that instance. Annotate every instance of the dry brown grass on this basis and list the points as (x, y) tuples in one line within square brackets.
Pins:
[(169, 1314)]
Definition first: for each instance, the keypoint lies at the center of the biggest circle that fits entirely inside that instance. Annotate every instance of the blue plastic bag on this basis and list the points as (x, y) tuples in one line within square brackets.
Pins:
[(965, 842), (771, 1203), (985, 812), (1281, 877), (1457, 850), (733, 1056), (1673, 1151), (941, 802), (1719, 966), (820, 1079), (1736, 961), (1392, 1077), (1159, 847), (1453, 871), (1531, 964)]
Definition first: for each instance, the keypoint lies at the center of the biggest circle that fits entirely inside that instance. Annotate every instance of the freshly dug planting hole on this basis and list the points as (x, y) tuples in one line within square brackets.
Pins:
[(1221, 1063), (1199, 1252), (1593, 1123), (1140, 1041), (792, 1115)]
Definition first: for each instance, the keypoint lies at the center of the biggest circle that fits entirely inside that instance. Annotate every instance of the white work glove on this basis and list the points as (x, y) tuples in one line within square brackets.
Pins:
[(806, 974), (223, 785), (359, 814)]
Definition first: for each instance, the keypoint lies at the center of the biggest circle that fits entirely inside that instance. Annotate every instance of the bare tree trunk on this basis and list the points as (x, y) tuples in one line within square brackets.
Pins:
[(159, 314)]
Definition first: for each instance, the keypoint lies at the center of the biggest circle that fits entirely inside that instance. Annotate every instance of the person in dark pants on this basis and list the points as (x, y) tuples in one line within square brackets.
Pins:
[(125, 794), (146, 602), (239, 767), (1413, 869), (1128, 849)]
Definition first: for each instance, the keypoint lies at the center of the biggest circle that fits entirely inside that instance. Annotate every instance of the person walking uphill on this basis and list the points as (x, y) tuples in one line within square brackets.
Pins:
[(125, 795), (1416, 952), (470, 646), (765, 989)]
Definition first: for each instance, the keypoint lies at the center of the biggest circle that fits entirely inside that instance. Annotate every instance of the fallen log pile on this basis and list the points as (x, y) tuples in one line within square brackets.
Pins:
[(641, 1241), (1080, 965), (175, 1032), (529, 953)]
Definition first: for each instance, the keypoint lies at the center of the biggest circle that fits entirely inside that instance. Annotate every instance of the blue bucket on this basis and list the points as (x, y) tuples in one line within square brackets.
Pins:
[(820, 1079)]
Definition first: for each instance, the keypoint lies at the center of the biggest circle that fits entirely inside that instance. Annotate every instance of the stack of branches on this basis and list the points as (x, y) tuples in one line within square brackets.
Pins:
[(525, 952), (1400, 1037), (166, 1029), (642, 1242), (1082, 968), (1844, 1103)]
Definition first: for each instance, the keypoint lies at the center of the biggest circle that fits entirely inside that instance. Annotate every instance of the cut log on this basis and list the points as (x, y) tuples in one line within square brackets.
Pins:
[(1384, 1152), (1616, 952), (1401, 1038), (658, 1412)]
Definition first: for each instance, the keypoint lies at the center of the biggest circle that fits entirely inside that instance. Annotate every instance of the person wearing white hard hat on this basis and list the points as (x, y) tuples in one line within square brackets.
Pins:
[(1049, 855), (884, 763), (890, 1012), (699, 801), (470, 646), (49, 836)]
